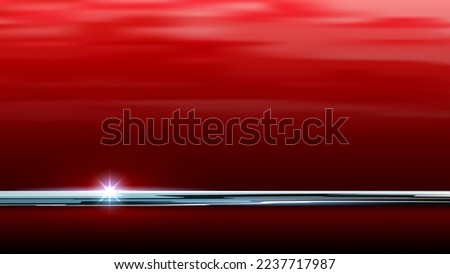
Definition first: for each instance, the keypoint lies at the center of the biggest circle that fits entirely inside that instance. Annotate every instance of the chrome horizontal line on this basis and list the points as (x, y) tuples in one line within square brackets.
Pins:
[(219, 198)]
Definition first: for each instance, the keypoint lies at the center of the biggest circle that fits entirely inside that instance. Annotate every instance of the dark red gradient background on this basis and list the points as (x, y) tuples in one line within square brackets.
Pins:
[(67, 65)]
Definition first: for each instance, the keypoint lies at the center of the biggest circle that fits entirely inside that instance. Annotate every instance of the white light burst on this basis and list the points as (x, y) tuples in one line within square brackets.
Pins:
[(110, 192)]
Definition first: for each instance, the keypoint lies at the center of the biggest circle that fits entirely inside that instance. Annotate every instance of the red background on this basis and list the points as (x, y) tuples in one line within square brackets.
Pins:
[(66, 66)]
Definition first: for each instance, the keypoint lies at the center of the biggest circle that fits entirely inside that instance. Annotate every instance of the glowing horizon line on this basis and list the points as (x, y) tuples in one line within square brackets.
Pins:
[(127, 197)]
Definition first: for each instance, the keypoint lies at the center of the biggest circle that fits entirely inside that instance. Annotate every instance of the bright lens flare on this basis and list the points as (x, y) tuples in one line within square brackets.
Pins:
[(110, 190)]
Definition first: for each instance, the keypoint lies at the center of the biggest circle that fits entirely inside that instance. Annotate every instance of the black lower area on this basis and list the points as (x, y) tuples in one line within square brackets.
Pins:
[(376, 229)]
